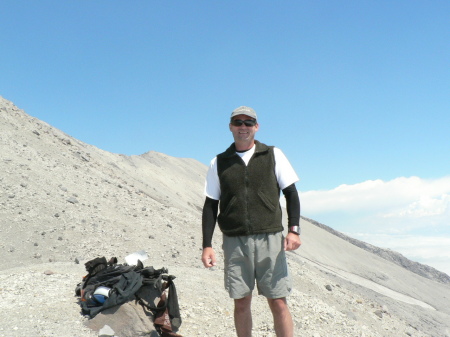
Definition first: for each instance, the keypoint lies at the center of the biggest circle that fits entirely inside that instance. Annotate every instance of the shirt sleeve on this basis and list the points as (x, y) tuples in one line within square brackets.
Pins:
[(283, 170), (212, 184), (209, 218), (292, 205)]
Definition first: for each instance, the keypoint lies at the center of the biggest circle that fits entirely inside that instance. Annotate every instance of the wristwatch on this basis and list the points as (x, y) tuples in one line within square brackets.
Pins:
[(294, 229)]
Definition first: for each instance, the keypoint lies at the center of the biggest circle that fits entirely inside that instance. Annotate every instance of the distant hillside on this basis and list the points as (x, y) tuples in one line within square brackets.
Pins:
[(390, 255)]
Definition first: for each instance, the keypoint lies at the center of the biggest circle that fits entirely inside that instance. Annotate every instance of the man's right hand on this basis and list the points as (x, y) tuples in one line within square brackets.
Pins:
[(208, 257)]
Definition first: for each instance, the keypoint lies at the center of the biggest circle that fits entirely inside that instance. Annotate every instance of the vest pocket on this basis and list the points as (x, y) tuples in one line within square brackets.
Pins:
[(266, 201), (229, 206)]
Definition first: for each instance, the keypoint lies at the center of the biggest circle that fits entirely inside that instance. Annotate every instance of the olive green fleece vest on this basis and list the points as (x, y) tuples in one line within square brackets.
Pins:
[(249, 199)]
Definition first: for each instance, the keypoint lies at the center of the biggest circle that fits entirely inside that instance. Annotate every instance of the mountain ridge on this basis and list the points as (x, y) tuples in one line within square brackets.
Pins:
[(389, 255)]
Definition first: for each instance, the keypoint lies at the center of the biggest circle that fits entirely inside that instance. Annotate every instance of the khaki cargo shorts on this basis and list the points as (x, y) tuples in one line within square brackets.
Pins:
[(260, 259)]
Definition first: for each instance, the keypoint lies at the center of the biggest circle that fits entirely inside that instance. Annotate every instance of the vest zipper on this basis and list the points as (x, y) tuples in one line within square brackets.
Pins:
[(247, 203)]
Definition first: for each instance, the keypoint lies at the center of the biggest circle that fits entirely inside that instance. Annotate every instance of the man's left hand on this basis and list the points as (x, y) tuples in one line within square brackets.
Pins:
[(292, 241)]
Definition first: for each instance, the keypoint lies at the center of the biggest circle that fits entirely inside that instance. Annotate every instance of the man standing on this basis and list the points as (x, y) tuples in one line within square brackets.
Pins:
[(245, 182)]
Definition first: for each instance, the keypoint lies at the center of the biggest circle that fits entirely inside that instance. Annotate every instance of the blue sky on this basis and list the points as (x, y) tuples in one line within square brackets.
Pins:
[(356, 93)]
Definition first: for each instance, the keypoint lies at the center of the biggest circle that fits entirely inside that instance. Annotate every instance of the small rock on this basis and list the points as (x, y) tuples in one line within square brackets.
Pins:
[(48, 272), (328, 287), (72, 200), (106, 331)]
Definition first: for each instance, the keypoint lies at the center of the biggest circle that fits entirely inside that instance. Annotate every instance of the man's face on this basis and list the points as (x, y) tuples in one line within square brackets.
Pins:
[(243, 132)]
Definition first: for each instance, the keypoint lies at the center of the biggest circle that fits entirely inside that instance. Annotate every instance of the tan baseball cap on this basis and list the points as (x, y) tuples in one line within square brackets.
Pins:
[(244, 110)]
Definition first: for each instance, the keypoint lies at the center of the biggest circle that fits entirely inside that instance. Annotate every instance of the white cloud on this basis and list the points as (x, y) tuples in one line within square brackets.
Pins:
[(425, 206), (377, 195), (399, 198)]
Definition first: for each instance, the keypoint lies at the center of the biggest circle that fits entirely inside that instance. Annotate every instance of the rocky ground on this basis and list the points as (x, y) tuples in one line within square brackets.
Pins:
[(63, 201), (39, 300)]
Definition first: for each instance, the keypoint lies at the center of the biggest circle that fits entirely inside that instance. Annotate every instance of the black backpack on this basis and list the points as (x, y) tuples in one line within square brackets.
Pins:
[(147, 285)]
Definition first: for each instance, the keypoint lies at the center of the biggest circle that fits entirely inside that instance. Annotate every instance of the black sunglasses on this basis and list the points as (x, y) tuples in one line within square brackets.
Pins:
[(247, 122)]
